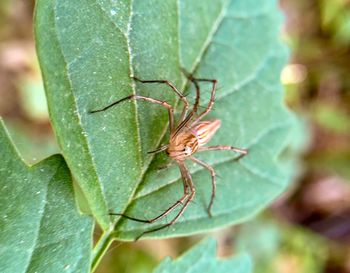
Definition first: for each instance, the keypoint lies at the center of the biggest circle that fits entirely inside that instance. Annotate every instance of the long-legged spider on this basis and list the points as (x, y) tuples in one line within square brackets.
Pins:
[(187, 137)]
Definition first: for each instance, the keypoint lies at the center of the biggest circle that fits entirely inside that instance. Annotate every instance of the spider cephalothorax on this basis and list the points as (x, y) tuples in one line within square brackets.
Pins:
[(186, 138)]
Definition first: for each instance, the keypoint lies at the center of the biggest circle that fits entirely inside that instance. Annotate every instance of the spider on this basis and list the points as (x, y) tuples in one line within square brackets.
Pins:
[(187, 137)]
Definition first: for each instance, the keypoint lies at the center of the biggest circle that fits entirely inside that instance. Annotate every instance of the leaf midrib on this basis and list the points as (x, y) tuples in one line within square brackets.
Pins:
[(211, 34), (37, 233), (133, 89)]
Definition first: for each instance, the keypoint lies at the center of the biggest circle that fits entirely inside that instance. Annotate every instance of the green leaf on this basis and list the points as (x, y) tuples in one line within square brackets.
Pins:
[(331, 118), (242, 50), (41, 230), (336, 162), (202, 259), (89, 49)]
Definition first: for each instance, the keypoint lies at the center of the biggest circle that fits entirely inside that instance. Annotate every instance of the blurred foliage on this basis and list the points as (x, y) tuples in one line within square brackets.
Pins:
[(32, 95), (317, 81), (318, 87), (336, 163), (331, 118), (4, 5), (335, 20), (279, 248), (23, 103)]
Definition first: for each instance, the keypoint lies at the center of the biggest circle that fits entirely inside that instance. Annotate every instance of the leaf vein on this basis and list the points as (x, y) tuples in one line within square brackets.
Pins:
[(40, 223), (210, 36)]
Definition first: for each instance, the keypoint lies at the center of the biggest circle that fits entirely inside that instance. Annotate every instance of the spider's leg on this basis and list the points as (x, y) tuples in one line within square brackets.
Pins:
[(138, 97), (160, 149), (189, 118), (166, 212), (243, 152), (187, 177), (187, 187), (194, 110), (213, 181), (211, 101), (177, 203), (189, 76), (172, 86)]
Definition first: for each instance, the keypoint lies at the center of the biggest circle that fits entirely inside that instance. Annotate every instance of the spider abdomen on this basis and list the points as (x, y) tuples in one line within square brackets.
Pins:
[(187, 142), (205, 130)]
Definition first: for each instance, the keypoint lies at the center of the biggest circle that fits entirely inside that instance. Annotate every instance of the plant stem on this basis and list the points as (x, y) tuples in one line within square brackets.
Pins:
[(100, 249)]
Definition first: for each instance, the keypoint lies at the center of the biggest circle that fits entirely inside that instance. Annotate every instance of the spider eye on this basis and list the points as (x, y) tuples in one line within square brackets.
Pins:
[(187, 150)]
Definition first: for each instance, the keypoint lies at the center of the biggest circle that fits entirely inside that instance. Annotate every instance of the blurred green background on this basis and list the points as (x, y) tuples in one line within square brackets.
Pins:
[(305, 230)]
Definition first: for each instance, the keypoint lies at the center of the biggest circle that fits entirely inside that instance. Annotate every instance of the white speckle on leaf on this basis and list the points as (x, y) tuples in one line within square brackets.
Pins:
[(113, 12)]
